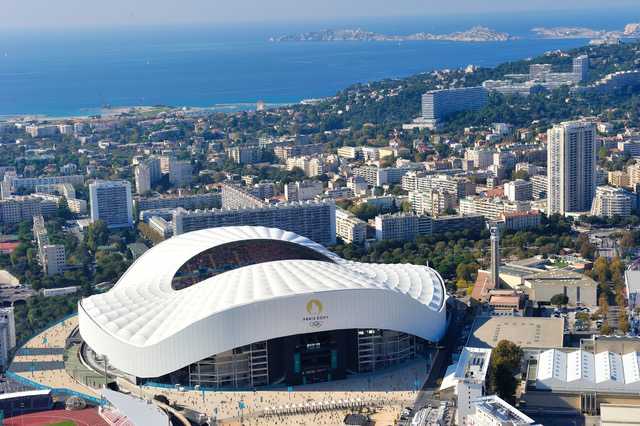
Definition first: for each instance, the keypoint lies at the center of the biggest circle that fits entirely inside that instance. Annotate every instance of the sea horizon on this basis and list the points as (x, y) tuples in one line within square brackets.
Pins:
[(72, 72)]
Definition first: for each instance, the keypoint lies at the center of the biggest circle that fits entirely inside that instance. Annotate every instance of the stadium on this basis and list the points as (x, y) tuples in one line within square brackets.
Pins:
[(250, 306)]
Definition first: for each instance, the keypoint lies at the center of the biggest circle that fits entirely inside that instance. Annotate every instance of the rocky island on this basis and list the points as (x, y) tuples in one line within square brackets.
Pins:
[(629, 31), (474, 34)]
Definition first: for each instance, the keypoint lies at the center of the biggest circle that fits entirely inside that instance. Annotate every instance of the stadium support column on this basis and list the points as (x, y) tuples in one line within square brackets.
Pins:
[(495, 256)]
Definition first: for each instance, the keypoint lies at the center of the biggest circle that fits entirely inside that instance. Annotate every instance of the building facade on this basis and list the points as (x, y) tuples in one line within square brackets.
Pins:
[(111, 201), (313, 219), (571, 162), (436, 104)]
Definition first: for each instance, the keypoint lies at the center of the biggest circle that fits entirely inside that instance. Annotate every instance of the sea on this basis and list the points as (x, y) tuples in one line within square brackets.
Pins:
[(74, 71)]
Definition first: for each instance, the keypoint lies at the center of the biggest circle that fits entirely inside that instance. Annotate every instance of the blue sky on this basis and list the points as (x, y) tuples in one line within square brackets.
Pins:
[(70, 13)]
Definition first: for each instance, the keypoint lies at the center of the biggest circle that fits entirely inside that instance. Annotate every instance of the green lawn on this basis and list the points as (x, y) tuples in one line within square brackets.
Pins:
[(559, 264), (65, 423)]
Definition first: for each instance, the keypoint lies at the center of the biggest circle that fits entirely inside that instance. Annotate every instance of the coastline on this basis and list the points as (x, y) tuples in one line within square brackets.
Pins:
[(115, 112)]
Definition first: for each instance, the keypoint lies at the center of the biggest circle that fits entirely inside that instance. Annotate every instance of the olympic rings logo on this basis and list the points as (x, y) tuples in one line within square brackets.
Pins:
[(315, 324)]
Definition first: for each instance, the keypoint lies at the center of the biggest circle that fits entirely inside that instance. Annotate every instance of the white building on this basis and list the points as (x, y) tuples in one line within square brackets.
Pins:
[(401, 226), (376, 176), (611, 201), (571, 161), (111, 201), (632, 283), (482, 157), (539, 187), (312, 219), (180, 171), (349, 227), (431, 203), (7, 334), (52, 292), (302, 191), (52, 257), (493, 411), (518, 190), (358, 184), (491, 206), (519, 220), (531, 169), (147, 173), (471, 377)]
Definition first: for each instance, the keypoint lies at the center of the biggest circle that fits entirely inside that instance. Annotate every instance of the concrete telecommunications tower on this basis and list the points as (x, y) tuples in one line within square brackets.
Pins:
[(495, 256)]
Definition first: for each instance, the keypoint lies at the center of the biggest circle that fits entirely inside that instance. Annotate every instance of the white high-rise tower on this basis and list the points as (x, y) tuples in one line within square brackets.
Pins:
[(571, 167)]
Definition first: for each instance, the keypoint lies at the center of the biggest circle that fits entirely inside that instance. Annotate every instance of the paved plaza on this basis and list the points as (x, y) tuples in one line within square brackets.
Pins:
[(41, 359), (382, 396)]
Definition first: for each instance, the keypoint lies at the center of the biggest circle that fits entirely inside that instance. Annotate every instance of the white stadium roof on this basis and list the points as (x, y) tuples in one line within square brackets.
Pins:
[(148, 329)]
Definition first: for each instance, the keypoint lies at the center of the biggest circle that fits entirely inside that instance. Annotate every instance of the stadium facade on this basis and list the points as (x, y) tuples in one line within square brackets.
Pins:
[(250, 306)]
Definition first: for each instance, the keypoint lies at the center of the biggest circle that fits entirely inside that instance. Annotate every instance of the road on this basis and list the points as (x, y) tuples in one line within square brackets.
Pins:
[(427, 396)]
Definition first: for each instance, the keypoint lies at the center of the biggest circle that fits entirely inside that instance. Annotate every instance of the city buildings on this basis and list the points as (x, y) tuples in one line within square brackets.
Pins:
[(349, 227), (407, 225), (460, 186), (471, 375), (147, 173), (312, 219), (431, 203), (245, 154), (234, 196), (276, 306), (15, 209), (580, 289), (493, 411), (31, 183), (376, 176), (491, 207), (436, 104), (611, 201), (518, 190), (302, 191), (52, 257), (539, 186), (180, 172), (571, 163), (188, 202), (111, 201), (7, 334), (519, 220)]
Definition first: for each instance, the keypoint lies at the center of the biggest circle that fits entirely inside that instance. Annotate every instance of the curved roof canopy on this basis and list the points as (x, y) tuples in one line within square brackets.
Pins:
[(147, 328)]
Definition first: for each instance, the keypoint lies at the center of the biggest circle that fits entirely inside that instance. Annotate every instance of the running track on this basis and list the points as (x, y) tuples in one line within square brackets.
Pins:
[(86, 417)]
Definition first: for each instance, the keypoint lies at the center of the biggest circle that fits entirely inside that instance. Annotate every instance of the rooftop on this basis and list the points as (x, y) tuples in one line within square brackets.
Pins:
[(583, 371), (559, 276), (473, 364), (141, 412), (527, 332), (632, 279), (500, 411)]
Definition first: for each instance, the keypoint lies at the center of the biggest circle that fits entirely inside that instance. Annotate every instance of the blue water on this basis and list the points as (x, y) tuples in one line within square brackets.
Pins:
[(59, 72)]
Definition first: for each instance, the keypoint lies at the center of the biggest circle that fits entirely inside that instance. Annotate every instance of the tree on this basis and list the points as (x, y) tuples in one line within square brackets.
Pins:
[(606, 329), (63, 209), (406, 206), (559, 299), (97, 234), (603, 153), (520, 174), (449, 211), (161, 398), (502, 381), (508, 351)]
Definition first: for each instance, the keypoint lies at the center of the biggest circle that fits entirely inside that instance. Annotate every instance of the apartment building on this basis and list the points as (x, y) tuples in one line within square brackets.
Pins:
[(111, 201), (315, 220)]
